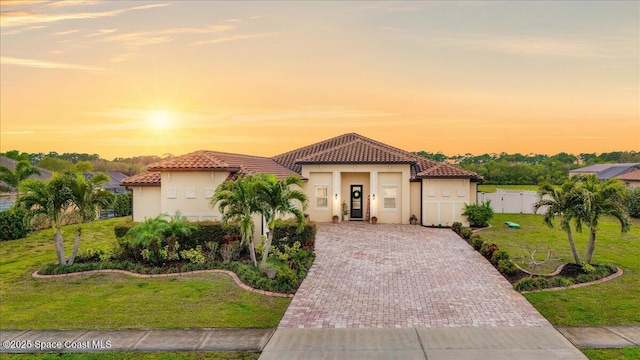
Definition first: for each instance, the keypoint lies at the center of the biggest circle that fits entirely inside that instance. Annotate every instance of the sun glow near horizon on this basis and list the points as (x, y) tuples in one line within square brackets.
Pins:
[(160, 120)]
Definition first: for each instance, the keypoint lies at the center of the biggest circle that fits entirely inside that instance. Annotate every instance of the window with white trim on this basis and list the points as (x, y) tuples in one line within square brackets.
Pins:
[(389, 197), (322, 197)]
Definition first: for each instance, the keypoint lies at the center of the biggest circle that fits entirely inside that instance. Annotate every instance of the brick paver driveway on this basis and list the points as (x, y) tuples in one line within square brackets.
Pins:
[(403, 276)]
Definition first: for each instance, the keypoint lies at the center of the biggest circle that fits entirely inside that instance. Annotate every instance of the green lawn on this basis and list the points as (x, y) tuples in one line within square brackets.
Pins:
[(613, 354), (493, 188), (139, 355), (206, 300), (612, 303)]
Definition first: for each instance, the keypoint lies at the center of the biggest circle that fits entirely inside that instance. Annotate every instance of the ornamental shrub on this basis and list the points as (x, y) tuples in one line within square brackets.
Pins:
[(466, 233), (559, 281), (478, 215), (526, 284), (499, 255), (507, 267), (633, 203), (456, 226), (14, 224), (488, 249)]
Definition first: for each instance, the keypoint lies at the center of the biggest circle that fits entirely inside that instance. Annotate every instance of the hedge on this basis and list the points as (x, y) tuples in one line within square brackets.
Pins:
[(286, 233)]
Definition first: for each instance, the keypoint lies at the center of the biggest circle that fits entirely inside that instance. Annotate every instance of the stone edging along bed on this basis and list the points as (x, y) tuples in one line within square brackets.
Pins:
[(599, 281), (235, 278), (617, 274)]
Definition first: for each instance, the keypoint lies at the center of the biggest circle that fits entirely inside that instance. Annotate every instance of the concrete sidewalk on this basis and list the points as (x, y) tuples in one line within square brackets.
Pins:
[(16, 341), (598, 337), (522, 343)]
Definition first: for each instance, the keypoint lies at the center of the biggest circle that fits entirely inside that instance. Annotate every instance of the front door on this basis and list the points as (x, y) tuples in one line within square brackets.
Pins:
[(356, 201)]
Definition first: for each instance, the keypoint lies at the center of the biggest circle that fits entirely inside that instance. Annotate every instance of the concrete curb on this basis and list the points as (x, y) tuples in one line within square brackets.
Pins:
[(233, 275)]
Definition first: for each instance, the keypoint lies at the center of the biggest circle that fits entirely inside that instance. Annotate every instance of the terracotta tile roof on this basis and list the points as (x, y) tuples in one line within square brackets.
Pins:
[(355, 148), (199, 160), (357, 151), (447, 171), (236, 164), (146, 179), (630, 176)]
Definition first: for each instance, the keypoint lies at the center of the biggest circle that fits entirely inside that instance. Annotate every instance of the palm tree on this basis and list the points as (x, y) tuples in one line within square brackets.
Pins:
[(12, 178), (561, 201), (276, 198), (601, 198), (238, 202), (88, 198), (50, 199), (150, 235), (178, 226)]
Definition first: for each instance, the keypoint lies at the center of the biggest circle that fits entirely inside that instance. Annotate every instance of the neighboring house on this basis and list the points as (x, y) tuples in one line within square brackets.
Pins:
[(373, 178), (8, 198), (115, 179), (631, 178), (606, 171)]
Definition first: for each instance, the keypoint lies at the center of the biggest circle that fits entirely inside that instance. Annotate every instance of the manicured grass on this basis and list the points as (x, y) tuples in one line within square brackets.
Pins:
[(613, 354), (139, 355), (118, 301), (493, 188), (612, 303)]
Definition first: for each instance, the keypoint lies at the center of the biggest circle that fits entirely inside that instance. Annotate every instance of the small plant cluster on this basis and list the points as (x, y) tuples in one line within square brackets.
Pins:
[(587, 273)]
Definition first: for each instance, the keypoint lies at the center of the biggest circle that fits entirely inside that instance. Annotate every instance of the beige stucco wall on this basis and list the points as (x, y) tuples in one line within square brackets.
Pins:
[(146, 202), (339, 177), (316, 213), (189, 192), (414, 207), (444, 200)]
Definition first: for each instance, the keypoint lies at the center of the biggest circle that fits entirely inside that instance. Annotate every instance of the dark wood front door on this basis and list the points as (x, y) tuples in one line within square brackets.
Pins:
[(356, 202)]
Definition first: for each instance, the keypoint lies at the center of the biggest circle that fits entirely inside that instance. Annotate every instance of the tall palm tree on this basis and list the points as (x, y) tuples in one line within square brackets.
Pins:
[(237, 201), (561, 201), (12, 178), (50, 199), (88, 197), (601, 198), (276, 198)]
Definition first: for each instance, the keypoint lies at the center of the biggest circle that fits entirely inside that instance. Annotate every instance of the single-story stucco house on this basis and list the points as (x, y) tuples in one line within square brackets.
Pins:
[(373, 178)]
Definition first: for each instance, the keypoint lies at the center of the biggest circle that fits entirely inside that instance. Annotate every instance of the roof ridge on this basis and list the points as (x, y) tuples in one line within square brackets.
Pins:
[(315, 144)]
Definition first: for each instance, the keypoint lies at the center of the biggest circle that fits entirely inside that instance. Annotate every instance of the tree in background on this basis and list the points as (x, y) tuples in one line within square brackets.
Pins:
[(122, 205), (12, 178)]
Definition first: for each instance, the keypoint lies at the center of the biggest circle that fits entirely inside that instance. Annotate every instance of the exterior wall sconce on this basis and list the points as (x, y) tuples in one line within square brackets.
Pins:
[(335, 196), (373, 196)]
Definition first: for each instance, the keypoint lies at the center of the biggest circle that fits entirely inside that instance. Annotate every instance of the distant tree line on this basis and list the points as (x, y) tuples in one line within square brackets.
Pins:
[(82, 162), (531, 169)]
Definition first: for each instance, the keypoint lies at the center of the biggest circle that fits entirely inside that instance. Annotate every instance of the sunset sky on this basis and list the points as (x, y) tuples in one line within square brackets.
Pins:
[(127, 78)]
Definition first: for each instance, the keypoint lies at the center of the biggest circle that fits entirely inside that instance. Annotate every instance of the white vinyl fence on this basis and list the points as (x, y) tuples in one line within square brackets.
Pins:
[(511, 201)]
